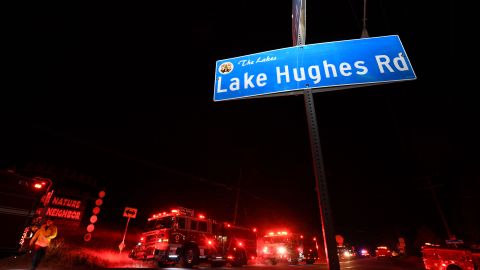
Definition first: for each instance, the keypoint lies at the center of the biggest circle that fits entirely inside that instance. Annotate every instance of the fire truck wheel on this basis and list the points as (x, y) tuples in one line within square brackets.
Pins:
[(240, 258), (161, 264), (189, 256), (453, 267), (217, 264)]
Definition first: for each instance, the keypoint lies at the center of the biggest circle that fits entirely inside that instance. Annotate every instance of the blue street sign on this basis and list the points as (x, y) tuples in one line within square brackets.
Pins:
[(325, 66)]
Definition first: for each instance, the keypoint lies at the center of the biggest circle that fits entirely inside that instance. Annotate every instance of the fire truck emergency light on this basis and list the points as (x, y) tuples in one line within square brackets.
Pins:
[(37, 186)]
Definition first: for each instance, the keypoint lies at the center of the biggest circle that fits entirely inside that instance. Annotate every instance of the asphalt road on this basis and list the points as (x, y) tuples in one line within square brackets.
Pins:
[(411, 263)]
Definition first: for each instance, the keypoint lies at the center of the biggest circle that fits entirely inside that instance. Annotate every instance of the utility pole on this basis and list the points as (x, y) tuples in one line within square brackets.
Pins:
[(364, 28), (237, 198), (439, 208)]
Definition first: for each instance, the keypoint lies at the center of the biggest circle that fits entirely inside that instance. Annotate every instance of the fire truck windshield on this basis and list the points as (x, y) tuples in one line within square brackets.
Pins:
[(276, 239), (160, 223)]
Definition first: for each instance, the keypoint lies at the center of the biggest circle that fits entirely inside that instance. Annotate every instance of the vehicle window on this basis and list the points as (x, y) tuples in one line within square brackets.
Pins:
[(161, 223), (193, 225), (181, 223), (202, 226)]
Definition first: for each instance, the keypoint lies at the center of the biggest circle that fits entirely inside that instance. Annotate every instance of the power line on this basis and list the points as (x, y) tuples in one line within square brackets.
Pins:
[(143, 162)]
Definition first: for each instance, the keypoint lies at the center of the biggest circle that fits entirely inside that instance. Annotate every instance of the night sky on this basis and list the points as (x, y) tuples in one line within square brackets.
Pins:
[(123, 93)]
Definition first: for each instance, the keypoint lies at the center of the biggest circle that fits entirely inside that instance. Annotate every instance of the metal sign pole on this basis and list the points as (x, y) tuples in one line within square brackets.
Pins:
[(299, 37), (122, 244), (321, 184)]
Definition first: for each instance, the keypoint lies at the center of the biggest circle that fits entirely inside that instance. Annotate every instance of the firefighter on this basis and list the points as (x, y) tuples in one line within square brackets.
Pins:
[(41, 240)]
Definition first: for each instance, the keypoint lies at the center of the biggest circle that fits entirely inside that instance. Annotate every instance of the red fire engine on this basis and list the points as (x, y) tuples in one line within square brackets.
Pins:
[(436, 257), (383, 252), (281, 247), (180, 237)]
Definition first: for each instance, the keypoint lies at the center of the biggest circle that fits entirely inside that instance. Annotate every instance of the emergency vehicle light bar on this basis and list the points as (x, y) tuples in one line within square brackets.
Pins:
[(176, 211), (277, 234)]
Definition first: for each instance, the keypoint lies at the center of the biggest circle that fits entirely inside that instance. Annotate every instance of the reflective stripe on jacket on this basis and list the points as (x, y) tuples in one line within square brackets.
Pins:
[(43, 236)]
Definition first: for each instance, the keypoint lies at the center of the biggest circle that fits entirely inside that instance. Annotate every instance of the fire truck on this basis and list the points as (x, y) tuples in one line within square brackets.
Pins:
[(19, 196), (281, 247), (383, 252), (178, 236), (436, 257), (309, 252)]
